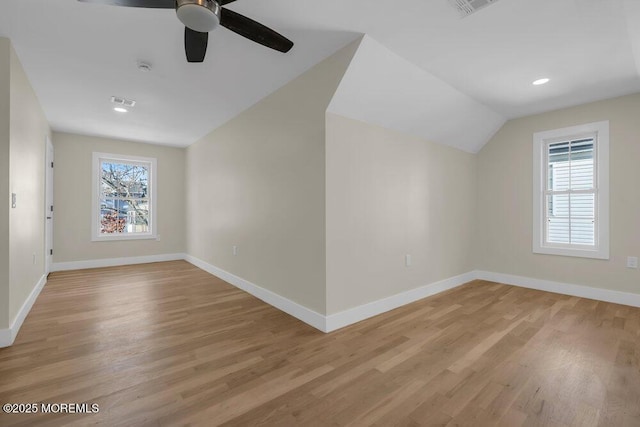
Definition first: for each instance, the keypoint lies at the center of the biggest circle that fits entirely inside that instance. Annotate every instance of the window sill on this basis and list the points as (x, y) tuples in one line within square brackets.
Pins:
[(112, 238), (578, 253)]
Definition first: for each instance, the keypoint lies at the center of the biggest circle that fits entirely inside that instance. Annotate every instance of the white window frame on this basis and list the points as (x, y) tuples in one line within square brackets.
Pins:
[(600, 132), (96, 236)]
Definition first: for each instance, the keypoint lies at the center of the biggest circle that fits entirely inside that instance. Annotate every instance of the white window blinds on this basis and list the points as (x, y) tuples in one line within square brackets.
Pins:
[(571, 193)]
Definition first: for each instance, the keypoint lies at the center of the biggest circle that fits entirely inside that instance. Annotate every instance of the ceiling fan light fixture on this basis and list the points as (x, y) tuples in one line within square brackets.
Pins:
[(199, 15)]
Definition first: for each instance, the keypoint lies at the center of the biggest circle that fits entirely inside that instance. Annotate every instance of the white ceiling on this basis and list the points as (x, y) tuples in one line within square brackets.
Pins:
[(382, 88), (78, 55)]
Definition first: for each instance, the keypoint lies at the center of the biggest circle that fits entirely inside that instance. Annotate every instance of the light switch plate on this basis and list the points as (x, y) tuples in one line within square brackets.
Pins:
[(13, 200), (632, 262)]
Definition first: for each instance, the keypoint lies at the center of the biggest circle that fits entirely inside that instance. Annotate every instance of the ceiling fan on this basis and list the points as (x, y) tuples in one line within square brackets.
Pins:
[(202, 16)]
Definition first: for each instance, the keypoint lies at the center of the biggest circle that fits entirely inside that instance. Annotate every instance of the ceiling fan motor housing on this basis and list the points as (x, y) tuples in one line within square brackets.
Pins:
[(199, 15)]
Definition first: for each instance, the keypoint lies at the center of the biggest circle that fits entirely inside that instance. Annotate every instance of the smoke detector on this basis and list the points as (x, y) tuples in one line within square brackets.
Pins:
[(467, 7), (118, 100), (145, 67)]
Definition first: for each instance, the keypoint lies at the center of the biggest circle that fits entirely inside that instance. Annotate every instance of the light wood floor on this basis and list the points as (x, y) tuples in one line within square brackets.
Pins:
[(168, 344)]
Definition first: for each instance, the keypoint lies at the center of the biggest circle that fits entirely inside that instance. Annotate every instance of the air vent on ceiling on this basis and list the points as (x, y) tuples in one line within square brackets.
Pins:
[(467, 7), (122, 101)]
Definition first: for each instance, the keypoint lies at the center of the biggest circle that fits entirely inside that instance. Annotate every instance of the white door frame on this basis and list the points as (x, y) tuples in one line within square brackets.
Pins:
[(48, 206)]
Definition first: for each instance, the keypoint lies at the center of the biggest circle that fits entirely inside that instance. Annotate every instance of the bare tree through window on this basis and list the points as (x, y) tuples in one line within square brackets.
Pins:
[(124, 201)]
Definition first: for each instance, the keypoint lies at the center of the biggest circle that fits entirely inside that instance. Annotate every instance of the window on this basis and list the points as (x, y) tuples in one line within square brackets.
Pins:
[(123, 197), (571, 191)]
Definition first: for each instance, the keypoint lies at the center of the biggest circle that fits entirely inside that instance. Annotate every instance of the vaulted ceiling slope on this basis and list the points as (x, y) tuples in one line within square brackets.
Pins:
[(382, 88), (78, 55)]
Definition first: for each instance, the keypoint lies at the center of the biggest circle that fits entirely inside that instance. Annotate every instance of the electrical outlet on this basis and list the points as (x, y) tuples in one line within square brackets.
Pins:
[(34, 259), (235, 250), (158, 238), (632, 262), (13, 200), (407, 260)]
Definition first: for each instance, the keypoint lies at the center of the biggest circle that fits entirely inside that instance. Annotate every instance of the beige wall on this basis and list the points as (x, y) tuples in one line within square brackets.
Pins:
[(257, 182), (5, 67), (28, 129), (504, 236), (73, 199), (23, 128), (389, 195)]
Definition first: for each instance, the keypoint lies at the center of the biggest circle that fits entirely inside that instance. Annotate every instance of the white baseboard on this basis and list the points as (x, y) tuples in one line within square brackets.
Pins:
[(334, 321), (350, 316), (8, 336), (296, 310), (113, 262), (617, 297), (338, 320), (353, 315), (5, 337)]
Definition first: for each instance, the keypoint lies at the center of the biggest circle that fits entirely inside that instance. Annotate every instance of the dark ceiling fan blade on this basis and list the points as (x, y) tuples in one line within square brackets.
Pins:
[(254, 31), (223, 2), (195, 45), (153, 4)]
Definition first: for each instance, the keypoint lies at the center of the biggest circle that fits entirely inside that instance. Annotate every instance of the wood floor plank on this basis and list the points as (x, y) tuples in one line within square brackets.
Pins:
[(168, 344)]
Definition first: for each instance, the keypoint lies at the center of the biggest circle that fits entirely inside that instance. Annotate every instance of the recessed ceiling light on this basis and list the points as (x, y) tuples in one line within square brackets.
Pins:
[(540, 82), (120, 109)]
